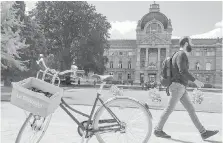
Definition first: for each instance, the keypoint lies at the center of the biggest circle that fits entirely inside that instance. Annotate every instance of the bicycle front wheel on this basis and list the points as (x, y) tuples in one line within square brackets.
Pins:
[(135, 121), (33, 129)]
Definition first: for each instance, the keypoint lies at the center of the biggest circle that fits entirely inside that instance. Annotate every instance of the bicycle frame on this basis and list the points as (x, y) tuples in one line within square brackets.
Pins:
[(64, 106)]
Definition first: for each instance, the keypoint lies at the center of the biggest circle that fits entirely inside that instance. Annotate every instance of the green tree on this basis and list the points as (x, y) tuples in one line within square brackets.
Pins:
[(74, 32), (11, 41)]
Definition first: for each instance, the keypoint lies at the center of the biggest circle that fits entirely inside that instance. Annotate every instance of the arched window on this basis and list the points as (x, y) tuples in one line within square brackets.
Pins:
[(154, 27), (208, 66)]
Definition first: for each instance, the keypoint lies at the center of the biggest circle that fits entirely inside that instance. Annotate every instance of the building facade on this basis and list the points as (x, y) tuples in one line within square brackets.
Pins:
[(141, 59)]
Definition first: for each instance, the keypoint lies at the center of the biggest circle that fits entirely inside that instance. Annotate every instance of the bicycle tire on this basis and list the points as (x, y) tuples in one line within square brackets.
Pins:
[(135, 106), (26, 125)]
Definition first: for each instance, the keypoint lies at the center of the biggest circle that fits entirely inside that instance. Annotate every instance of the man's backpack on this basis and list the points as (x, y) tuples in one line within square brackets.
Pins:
[(166, 76)]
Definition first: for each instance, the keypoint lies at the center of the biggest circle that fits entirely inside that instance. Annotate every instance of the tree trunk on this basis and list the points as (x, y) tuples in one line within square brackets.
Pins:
[(7, 77), (66, 58)]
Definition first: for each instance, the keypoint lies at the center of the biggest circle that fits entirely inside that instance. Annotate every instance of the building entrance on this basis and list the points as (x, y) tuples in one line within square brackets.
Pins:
[(151, 77)]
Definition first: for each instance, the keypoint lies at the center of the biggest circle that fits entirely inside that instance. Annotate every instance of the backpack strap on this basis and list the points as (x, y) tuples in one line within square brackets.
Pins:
[(171, 62), (167, 88)]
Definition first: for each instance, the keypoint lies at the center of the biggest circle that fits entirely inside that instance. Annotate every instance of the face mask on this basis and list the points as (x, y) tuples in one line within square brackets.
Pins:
[(189, 48)]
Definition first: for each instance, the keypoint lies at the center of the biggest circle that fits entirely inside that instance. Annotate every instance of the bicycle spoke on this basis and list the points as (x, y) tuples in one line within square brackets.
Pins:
[(134, 123), (33, 129), (137, 117), (135, 138)]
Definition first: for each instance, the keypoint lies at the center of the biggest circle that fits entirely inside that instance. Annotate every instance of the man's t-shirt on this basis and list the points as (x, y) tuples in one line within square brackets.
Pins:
[(180, 67)]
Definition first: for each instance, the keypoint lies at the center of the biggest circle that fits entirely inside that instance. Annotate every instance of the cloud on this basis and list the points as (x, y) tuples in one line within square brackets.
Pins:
[(127, 30), (175, 37), (219, 24), (123, 30), (216, 32)]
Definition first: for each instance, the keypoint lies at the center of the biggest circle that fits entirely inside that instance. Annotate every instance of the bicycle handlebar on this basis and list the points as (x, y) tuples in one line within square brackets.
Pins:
[(54, 74)]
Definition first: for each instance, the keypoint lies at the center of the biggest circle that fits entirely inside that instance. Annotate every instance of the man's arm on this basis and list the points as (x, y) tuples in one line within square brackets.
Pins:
[(182, 66)]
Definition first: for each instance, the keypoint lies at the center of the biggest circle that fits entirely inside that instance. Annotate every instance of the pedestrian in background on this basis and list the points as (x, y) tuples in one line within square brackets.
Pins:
[(79, 82), (94, 83)]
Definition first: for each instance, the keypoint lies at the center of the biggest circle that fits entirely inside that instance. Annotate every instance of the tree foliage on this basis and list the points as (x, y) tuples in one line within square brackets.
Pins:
[(74, 32), (11, 40)]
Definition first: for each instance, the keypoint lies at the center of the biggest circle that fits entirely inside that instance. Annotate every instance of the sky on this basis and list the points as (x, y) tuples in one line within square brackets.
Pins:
[(198, 19)]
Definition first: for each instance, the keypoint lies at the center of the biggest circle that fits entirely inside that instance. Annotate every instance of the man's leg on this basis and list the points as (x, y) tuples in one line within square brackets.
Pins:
[(176, 92), (185, 100)]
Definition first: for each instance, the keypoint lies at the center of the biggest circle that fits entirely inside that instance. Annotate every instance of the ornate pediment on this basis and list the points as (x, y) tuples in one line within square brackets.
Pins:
[(153, 39)]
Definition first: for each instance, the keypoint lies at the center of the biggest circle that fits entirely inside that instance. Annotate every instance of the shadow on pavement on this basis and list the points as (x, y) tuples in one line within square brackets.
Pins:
[(210, 141), (181, 141)]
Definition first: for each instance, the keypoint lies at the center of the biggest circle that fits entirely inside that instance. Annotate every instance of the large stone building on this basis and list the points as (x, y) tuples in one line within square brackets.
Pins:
[(141, 59)]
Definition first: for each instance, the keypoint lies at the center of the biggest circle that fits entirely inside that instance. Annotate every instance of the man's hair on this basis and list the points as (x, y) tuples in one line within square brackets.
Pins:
[(183, 41)]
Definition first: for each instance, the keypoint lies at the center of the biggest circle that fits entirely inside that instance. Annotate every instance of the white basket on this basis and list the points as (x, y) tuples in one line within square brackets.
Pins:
[(34, 102)]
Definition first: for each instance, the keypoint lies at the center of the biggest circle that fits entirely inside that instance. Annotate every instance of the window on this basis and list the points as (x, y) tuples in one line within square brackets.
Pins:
[(130, 54), (207, 78), (129, 65), (141, 77), (129, 76), (154, 27), (142, 63), (119, 76), (111, 64), (209, 53), (197, 67), (208, 66), (197, 53), (120, 53), (120, 64)]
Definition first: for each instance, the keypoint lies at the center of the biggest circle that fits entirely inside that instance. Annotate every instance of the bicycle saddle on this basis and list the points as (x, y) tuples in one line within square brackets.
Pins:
[(103, 77)]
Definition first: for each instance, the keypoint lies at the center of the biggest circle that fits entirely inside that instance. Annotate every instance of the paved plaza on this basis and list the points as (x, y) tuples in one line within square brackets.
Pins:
[(63, 130)]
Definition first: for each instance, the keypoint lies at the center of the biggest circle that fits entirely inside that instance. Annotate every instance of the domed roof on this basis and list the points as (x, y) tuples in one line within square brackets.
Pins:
[(154, 15)]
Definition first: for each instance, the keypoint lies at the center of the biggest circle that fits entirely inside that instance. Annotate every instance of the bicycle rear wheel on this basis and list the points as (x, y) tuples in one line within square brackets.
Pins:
[(33, 129), (136, 122)]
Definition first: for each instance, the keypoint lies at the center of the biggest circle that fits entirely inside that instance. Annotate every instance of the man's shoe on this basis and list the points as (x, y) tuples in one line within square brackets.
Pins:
[(161, 134), (208, 134)]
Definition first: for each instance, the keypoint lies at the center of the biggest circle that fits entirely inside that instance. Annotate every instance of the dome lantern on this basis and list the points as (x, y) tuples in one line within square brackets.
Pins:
[(154, 7)]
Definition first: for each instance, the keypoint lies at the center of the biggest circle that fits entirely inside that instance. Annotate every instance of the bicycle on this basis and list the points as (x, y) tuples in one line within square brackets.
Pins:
[(106, 120)]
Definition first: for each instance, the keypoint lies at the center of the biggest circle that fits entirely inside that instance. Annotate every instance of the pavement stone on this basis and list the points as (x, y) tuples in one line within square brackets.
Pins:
[(86, 96), (63, 130)]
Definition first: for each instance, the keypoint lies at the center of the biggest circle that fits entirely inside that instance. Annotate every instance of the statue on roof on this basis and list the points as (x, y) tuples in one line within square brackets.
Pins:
[(169, 23)]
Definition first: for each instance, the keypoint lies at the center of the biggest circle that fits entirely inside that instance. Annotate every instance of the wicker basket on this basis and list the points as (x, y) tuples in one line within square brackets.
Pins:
[(34, 102)]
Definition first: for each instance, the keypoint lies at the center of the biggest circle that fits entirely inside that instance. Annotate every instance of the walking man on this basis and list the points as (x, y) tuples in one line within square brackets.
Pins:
[(177, 90)]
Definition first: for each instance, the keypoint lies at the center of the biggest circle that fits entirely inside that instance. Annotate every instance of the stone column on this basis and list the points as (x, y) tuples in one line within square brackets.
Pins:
[(146, 65), (137, 69), (158, 66), (167, 52)]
